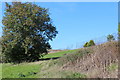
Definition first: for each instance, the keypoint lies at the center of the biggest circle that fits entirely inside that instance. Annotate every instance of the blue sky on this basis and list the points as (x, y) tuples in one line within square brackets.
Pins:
[(80, 21)]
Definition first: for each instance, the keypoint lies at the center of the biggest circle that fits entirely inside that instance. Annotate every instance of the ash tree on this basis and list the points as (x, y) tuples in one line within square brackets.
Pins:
[(27, 31)]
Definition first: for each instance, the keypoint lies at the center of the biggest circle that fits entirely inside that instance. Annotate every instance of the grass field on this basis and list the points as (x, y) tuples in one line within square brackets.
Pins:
[(41, 69), (59, 54), (20, 70)]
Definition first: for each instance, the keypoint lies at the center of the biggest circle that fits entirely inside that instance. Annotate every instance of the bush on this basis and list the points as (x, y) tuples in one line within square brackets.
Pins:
[(90, 43), (85, 45), (110, 37)]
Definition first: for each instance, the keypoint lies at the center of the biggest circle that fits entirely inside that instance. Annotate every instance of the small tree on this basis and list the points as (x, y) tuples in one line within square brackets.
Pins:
[(85, 45), (110, 37), (91, 43)]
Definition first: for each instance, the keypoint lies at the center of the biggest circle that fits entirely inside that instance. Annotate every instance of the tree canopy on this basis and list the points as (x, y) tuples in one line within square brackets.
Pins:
[(85, 45), (110, 37), (27, 31), (90, 43)]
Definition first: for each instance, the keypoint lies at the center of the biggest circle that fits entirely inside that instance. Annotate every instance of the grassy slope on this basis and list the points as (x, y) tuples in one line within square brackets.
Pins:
[(59, 54), (21, 70), (52, 68), (46, 69), (0, 60), (66, 66), (0, 70)]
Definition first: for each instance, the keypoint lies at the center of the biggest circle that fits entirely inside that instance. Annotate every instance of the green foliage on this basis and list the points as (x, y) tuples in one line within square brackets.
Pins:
[(112, 67), (1, 56), (26, 32), (85, 45), (119, 31), (91, 43), (76, 75), (110, 37), (119, 28), (88, 44)]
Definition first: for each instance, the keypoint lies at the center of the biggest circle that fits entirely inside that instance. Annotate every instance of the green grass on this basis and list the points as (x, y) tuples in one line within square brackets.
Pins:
[(0, 70), (112, 67), (47, 69), (59, 54), (25, 70), (76, 75), (20, 71), (43, 70)]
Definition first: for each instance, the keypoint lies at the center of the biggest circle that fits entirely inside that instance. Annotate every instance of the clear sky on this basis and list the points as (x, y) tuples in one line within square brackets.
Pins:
[(80, 21)]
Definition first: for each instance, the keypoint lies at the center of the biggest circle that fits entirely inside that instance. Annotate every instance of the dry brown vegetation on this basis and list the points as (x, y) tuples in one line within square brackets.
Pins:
[(95, 64), (99, 61)]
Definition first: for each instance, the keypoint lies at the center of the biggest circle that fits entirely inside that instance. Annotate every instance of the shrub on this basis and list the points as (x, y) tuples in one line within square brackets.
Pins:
[(110, 37), (85, 45), (90, 43)]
